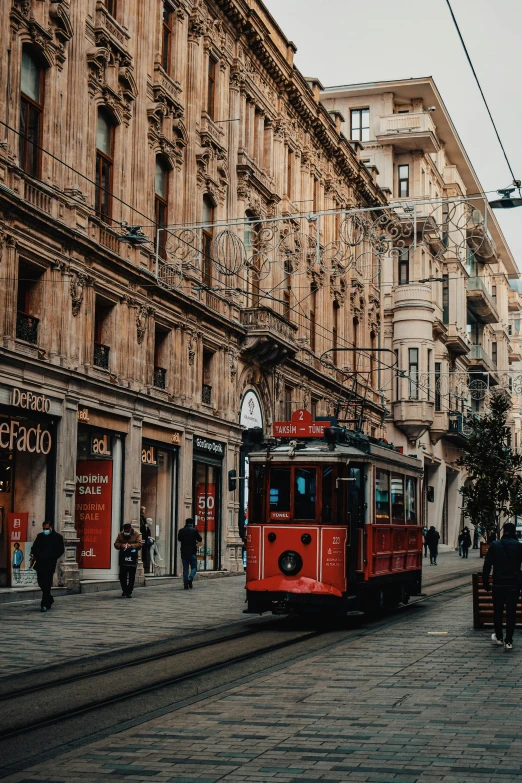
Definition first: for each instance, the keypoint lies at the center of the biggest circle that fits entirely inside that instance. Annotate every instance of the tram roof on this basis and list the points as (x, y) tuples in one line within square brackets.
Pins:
[(305, 451)]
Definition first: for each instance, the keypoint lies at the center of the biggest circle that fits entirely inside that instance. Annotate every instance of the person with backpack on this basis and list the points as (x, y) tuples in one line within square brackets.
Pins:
[(432, 539), (505, 557), (128, 542)]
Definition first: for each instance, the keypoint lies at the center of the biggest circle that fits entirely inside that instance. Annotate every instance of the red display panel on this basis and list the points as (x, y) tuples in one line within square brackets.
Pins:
[(301, 425), (93, 513), (333, 557), (206, 507), (253, 553), (17, 522)]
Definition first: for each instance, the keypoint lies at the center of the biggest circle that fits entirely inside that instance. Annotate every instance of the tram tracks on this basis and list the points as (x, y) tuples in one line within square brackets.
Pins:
[(108, 697)]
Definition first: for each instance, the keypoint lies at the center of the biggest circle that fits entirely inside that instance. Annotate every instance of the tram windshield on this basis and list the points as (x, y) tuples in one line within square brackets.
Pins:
[(299, 493)]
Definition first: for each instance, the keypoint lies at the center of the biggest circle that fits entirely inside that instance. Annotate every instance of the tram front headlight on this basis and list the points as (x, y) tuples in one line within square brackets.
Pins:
[(290, 563)]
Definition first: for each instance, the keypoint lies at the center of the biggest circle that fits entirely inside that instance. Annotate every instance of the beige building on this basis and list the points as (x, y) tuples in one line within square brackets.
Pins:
[(449, 313), (128, 369)]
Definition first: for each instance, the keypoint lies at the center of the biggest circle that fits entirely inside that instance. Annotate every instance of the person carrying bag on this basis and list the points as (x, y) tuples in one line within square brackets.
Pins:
[(128, 542)]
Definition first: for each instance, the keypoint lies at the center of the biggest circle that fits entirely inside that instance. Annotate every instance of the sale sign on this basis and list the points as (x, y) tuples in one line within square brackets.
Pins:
[(17, 522), (206, 507), (301, 425), (93, 513)]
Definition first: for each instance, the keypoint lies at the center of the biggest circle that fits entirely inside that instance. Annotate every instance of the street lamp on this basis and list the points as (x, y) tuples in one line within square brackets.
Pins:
[(507, 202)]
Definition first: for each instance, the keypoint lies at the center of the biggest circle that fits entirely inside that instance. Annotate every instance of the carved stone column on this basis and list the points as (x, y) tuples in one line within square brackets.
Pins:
[(193, 100), (9, 271), (131, 503), (66, 448)]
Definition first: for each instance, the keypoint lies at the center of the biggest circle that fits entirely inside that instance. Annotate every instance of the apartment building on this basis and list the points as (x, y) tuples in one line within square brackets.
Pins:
[(450, 314), (131, 359)]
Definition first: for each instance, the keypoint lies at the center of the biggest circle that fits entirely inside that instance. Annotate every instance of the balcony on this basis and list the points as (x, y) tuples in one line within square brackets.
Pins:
[(407, 132), (160, 378), (413, 417), (440, 426), (480, 301), (480, 360), (101, 356), (514, 354), (456, 428), (27, 328), (456, 341), (270, 338), (479, 239)]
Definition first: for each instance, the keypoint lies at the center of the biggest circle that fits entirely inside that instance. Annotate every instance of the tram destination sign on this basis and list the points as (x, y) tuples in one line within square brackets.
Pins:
[(301, 425)]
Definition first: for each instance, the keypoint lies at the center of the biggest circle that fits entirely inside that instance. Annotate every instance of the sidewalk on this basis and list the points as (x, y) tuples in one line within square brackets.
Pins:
[(423, 699), (89, 624)]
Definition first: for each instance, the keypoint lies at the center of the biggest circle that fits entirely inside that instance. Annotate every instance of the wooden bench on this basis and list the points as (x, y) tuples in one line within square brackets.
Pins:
[(483, 605)]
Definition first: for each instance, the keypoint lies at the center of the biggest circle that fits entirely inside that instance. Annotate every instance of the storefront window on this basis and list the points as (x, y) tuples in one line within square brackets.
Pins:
[(27, 459), (207, 489), (157, 483)]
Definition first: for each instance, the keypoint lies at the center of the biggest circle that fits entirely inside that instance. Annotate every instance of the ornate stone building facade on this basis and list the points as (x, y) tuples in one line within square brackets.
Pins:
[(449, 313), (126, 365)]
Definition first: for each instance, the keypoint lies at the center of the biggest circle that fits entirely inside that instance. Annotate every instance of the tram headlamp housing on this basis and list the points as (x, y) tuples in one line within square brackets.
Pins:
[(290, 563)]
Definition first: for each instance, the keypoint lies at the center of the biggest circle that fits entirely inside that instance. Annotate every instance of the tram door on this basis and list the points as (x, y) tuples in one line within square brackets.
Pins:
[(355, 507)]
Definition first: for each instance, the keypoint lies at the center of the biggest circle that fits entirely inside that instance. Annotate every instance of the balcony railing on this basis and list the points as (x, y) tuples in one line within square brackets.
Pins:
[(480, 301), (27, 328), (101, 356), (206, 394), (411, 130), (478, 354), (160, 378)]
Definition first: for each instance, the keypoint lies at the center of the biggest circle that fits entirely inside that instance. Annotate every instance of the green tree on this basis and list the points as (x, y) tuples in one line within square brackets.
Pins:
[(493, 493)]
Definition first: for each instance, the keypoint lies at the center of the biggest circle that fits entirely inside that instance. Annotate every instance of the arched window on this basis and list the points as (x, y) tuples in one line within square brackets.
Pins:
[(31, 111), (161, 200), (208, 231), (104, 165)]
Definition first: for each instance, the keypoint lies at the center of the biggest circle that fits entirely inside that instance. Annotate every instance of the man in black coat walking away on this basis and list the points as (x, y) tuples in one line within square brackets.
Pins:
[(432, 540), (505, 557), (189, 538), (465, 541), (45, 551)]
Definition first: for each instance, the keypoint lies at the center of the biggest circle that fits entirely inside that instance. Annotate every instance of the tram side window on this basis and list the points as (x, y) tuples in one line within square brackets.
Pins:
[(305, 488), (258, 485), (328, 497), (382, 497), (280, 491), (411, 501), (397, 499)]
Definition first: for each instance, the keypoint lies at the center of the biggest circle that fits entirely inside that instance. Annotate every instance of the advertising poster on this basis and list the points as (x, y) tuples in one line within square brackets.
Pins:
[(206, 507), (19, 549), (93, 513)]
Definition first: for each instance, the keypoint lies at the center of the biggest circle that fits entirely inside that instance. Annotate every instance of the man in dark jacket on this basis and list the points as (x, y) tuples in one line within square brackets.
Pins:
[(465, 541), (432, 539), (189, 538), (45, 551), (505, 556), (128, 543)]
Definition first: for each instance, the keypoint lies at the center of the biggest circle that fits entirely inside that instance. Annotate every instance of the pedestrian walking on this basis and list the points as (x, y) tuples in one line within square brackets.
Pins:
[(146, 535), (432, 539), (505, 557), (45, 551), (18, 559), (465, 541), (189, 538), (128, 542), (476, 536), (425, 543)]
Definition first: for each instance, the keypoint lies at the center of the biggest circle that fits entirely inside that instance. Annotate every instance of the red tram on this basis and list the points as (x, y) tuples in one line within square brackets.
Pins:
[(333, 522)]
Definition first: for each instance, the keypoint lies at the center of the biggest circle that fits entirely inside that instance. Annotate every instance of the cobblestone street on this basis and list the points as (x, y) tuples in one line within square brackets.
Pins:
[(420, 696)]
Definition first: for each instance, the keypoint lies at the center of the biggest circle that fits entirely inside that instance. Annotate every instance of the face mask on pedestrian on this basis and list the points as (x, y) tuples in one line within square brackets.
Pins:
[(126, 533), (46, 532)]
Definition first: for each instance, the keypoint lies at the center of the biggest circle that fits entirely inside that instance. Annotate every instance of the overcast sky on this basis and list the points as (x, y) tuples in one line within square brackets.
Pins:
[(350, 41)]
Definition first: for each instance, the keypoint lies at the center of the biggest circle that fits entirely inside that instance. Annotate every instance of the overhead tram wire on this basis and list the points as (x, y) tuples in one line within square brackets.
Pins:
[(325, 331), (515, 180)]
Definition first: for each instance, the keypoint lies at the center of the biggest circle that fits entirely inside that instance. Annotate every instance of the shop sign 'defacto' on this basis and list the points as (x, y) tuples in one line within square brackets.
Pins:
[(30, 401), (15, 435)]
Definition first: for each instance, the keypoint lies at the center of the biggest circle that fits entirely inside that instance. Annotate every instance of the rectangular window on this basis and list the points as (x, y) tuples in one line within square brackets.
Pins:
[(289, 173), (382, 497), (404, 181), (288, 403), (104, 163), (445, 299), (166, 41), (31, 111), (411, 500), (413, 373), (287, 293), (102, 333), (437, 387), (404, 266), (111, 6), (305, 493), (207, 237), (397, 499), (206, 377), (211, 87), (430, 390), (397, 377), (494, 353), (335, 332), (360, 123), (313, 305), (494, 292), (280, 491), (256, 493)]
